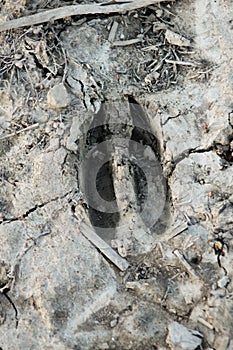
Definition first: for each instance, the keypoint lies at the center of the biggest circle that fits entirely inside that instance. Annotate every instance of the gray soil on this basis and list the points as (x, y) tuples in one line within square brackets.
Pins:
[(58, 79)]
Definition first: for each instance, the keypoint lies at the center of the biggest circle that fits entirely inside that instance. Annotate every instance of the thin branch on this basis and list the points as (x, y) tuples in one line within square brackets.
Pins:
[(175, 231), (77, 10), (104, 248), (183, 63), (113, 31), (127, 42), (30, 127), (185, 263)]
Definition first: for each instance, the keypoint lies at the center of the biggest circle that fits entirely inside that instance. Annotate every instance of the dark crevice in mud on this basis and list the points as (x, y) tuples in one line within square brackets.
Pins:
[(5, 293), (185, 154), (224, 152), (42, 68), (201, 150), (170, 118), (230, 119), (189, 151), (31, 210), (83, 92)]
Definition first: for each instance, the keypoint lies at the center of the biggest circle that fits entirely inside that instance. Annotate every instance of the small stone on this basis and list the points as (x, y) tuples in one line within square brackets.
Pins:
[(182, 338), (54, 144), (58, 97), (176, 39), (152, 77), (223, 282), (113, 323), (159, 13)]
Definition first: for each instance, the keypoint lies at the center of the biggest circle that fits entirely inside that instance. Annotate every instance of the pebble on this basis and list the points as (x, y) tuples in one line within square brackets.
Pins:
[(176, 39), (223, 282), (113, 323), (58, 97), (181, 338)]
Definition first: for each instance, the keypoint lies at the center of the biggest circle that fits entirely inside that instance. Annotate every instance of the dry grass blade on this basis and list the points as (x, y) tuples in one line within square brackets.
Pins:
[(76, 10)]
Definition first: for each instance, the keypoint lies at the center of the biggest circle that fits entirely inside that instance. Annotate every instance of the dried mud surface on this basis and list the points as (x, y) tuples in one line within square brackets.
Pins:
[(57, 290)]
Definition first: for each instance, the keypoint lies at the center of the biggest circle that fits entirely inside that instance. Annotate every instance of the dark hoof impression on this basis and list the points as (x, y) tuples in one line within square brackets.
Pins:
[(122, 178)]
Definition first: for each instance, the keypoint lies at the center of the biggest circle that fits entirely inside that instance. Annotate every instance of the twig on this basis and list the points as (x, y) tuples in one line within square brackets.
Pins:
[(182, 63), (105, 249), (76, 10), (185, 263), (205, 323), (113, 31), (203, 72), (30, 127), (127, 42), (166, 294), (175, 231)]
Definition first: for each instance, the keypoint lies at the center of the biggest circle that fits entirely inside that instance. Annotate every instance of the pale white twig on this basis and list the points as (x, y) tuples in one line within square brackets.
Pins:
[(30, 127), (77, 10)]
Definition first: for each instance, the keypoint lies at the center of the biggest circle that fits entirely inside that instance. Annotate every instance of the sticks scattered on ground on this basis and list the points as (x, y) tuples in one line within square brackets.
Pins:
[(77, 10)]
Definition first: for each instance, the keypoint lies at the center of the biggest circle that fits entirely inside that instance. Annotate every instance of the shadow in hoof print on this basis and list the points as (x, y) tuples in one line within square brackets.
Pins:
[(122, 178)]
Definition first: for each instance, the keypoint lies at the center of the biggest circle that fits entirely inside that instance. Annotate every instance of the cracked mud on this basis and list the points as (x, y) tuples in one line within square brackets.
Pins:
[(160, 79)]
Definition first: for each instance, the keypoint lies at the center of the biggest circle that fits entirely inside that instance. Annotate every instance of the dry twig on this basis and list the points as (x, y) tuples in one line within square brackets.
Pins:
[(77, 10), (185, 263), (176, 230), (30, 127), (182, 63), (127, 42), (105, 249), (113, 31)]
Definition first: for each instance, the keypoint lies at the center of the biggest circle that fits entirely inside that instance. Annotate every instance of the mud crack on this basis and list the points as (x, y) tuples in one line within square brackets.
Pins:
[(31, 210)]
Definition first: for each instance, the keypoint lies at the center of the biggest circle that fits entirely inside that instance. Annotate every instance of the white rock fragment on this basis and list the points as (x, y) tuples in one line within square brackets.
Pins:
[(223, 282), (113, 323), (54, 144), (58, 97), (75, 133), (176, 39), (182, 338)]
